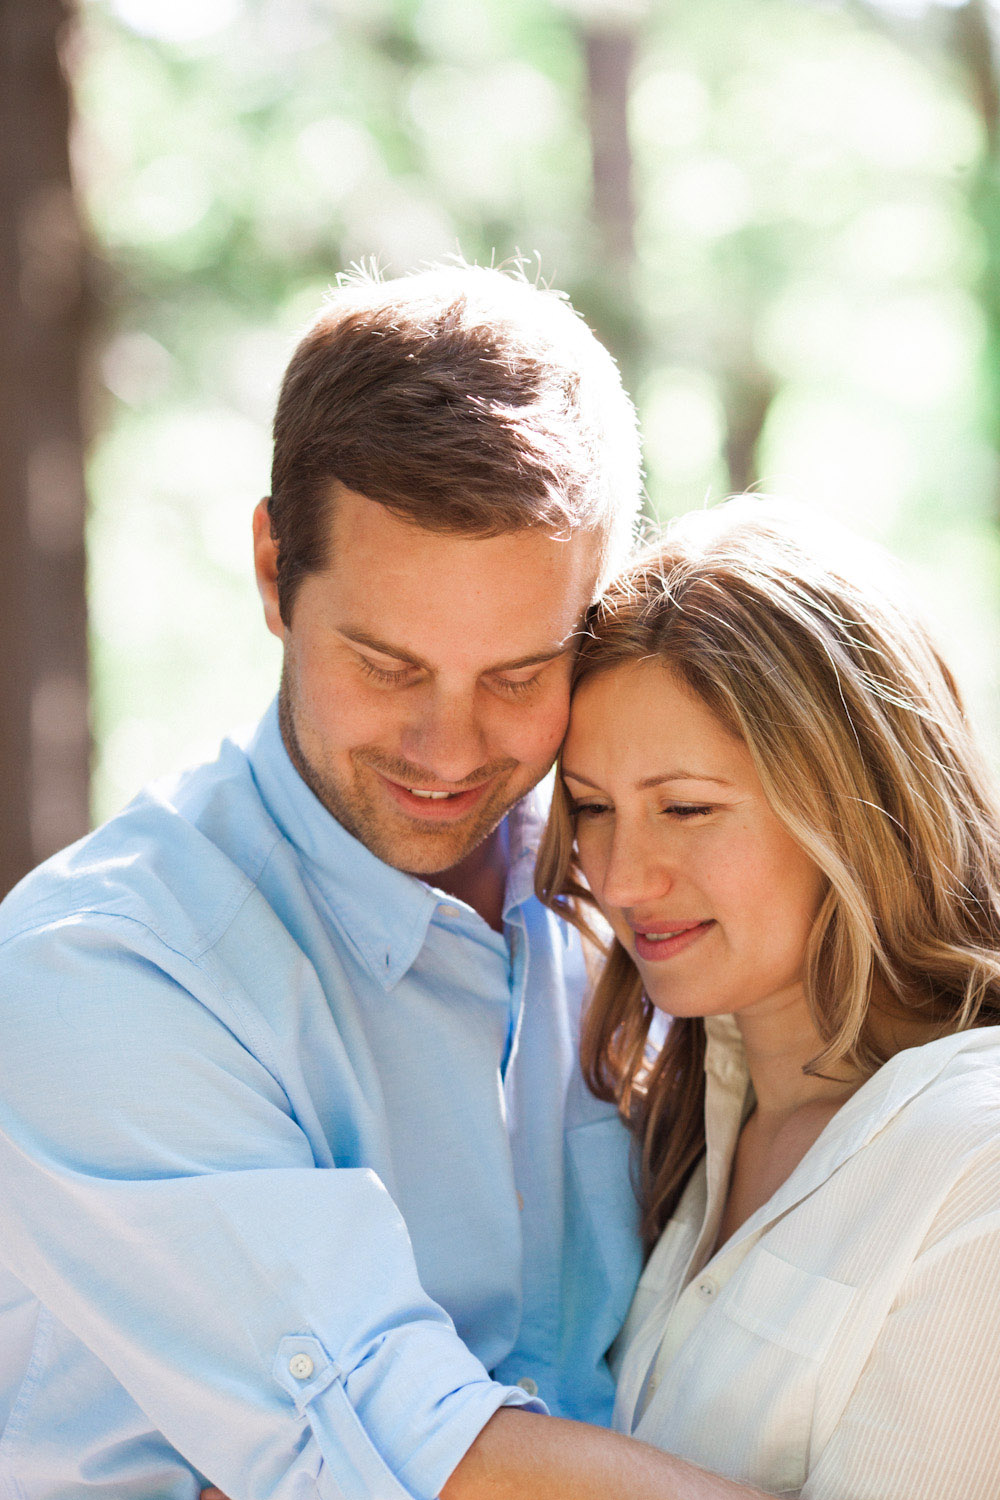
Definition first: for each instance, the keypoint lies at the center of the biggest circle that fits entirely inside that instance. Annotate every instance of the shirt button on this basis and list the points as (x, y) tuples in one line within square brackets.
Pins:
[(527, 1385), (301, 1366), (707, 1287)]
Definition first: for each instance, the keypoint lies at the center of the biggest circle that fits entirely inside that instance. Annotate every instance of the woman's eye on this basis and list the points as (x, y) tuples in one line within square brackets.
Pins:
[(386, 675), (684, 810), (584, 810)]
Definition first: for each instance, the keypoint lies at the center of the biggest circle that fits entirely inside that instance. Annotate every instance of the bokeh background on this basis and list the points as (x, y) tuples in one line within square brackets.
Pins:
[(783, 217)]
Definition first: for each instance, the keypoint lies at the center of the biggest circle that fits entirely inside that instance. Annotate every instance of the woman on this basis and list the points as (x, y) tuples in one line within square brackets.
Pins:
[(770, 792)]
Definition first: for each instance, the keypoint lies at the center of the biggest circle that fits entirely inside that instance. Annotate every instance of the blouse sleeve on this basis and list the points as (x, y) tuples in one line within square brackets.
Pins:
[(923, 1422)]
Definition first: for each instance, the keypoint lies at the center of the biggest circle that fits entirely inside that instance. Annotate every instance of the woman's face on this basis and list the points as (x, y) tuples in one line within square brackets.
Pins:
[(701, 883)]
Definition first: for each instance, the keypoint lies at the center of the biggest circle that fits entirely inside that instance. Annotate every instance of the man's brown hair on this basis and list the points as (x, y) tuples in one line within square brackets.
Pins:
[(464, 399)]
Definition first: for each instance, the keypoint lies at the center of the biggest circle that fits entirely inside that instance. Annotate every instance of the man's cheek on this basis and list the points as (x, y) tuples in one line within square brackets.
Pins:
[(549, 736), (559, 716)]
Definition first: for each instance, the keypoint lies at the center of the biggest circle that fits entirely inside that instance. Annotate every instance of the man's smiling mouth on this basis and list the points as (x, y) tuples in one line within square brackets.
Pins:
[(431, 807)]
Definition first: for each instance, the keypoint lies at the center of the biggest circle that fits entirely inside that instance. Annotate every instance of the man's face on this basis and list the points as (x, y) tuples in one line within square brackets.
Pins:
[(426, 677)]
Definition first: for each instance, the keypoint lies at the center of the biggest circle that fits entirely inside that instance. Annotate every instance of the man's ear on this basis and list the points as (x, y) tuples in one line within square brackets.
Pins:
[(265, 562)]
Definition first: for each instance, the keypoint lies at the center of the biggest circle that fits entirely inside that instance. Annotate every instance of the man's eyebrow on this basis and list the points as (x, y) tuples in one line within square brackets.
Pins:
[(650, 781), (386, 648), (551, 653), (536, 660)]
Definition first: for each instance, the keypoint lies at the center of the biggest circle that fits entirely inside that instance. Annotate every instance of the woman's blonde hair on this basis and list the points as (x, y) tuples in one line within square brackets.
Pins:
[(795, 642)]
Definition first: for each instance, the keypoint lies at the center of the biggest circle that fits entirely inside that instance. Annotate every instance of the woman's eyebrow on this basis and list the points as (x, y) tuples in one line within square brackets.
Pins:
[(650, 781), (575, 776)]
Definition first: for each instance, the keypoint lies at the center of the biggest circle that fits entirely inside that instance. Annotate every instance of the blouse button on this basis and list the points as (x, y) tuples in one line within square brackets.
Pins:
[(528, 1385), (707, 1287), (301, 1366)]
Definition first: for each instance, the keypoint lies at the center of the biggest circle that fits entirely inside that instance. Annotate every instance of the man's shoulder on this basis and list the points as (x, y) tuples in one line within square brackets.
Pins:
[(179, 858)]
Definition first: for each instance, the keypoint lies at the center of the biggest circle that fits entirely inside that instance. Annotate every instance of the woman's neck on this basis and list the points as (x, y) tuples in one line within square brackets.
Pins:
[(792, 1107), (780, 1039)]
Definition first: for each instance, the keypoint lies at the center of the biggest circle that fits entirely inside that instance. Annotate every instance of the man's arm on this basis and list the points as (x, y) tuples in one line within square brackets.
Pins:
[(523, 1456), (162, 1201)]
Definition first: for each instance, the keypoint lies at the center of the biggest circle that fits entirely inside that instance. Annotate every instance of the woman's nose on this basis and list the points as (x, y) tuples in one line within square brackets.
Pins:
[(637, 870)]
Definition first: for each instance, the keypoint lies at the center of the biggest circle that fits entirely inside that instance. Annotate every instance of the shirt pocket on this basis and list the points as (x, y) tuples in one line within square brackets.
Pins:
[(798, 1310), (786, 1320), (739, 1395)]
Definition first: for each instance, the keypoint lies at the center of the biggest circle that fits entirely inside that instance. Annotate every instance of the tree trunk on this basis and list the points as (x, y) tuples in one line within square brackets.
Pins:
[(748, 393), (44, 731), (610, 60), (610, 51)]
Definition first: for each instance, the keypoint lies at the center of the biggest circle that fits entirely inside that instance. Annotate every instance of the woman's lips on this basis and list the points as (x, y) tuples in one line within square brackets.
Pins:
[(653, 944)]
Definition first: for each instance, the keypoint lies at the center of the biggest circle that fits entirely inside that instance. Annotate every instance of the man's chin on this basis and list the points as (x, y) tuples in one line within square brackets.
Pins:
[(423, 846), (426, 845), (427, 852)]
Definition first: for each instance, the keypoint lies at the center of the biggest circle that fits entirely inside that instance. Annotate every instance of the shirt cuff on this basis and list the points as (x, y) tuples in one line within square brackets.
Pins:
[(368, 1446)]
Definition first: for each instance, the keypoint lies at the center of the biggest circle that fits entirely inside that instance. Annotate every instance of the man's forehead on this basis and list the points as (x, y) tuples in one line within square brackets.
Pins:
[(357, 523)]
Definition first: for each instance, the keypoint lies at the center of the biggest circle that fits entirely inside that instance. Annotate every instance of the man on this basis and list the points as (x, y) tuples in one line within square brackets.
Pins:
[(301, 1183)]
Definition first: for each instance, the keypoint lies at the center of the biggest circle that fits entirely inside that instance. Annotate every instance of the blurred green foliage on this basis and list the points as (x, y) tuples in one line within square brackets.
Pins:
[(809, 303)]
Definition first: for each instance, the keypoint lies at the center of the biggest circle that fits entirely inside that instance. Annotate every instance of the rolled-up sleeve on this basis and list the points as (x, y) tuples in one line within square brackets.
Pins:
[(161, 1200)]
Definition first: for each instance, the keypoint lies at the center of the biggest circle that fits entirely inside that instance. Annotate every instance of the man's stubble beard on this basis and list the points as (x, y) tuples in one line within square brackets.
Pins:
[(415, 850)]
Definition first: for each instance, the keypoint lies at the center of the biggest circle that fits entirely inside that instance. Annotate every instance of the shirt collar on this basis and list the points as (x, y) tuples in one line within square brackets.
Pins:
[(525, 822), (383, 912), (865, 1113)]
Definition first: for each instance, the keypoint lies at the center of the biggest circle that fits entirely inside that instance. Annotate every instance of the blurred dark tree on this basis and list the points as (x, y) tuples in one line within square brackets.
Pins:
[(609, 298), (44, 734)]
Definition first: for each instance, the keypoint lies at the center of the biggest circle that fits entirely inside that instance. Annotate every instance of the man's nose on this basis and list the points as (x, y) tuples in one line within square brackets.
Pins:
[(446, 737)]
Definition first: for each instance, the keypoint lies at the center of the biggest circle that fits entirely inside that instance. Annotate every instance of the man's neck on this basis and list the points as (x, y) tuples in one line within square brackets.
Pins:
[(480, 879)]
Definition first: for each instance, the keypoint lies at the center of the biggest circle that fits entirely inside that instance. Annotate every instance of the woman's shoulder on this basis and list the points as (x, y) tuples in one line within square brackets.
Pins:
[(964, 1062), (944, 1096)]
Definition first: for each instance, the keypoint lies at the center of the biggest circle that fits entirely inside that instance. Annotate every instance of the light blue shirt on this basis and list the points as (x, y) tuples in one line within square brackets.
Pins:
[(300, 1181)]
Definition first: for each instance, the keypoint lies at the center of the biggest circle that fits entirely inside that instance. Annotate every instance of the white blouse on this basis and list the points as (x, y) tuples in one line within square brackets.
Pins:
[(844, 1344)]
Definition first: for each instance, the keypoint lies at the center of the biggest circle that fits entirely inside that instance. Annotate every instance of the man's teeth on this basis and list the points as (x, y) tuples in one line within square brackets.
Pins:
[(431, 796)]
